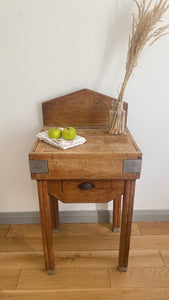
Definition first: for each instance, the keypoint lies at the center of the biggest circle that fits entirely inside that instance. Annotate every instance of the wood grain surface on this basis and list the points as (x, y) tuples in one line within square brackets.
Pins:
[(4, 230), (82, 108), (68, 191), (65, 279), (126, 223), (81, 259), (85, 274), (54, 212), (72, 229), (101, 157), (117, 213), (69, 294), (46, 224)]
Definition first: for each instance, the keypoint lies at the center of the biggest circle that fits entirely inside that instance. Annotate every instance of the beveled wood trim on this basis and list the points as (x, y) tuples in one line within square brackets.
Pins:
[(33, 149), (134, 143)]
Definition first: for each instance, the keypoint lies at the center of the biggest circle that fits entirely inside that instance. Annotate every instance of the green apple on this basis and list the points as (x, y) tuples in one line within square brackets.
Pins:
[(55, 133), (69, 133)]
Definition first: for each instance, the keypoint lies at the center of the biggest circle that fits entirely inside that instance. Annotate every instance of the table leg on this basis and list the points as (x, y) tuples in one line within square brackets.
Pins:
[(46, 225), (116, 214), (128, 202), (54, 213)]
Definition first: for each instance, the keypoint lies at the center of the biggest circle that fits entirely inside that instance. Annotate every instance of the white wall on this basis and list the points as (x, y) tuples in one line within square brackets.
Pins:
[(53, 47)]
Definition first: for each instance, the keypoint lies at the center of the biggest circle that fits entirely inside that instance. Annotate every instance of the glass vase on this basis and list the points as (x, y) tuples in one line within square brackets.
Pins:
[(116, 121)]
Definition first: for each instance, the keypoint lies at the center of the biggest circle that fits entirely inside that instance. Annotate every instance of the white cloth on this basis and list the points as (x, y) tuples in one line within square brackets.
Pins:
[(61, 142)]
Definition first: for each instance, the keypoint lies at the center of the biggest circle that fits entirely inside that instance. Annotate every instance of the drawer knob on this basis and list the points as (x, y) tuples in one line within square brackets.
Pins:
[(86, 186)]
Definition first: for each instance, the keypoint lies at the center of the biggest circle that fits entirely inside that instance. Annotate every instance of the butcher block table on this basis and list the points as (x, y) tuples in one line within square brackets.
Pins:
[(100, 170)]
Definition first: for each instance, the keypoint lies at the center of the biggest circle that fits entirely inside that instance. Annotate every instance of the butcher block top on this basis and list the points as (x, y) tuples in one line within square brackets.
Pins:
[(99, 141), (103, 156)]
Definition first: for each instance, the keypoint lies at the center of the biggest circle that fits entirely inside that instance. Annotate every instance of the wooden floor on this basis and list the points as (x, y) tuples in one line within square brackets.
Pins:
[(86, 263)]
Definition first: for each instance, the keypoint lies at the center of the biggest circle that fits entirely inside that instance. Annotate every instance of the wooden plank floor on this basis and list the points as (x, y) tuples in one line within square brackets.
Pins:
[(86, 258)]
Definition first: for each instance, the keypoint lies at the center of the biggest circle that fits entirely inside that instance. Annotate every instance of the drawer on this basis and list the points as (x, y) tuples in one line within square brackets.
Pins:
[(81, 186), (86, 191)]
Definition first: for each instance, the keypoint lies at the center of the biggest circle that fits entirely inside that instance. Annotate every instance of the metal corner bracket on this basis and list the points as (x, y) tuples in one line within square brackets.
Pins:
[(132, 165), (38, 166)]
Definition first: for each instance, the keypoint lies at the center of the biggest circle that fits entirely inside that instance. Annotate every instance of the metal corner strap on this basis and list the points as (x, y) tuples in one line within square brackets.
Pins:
[(132, 165), (38, 166)]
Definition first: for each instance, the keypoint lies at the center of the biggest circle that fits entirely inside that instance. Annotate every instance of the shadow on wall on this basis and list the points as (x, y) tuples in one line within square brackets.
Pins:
[(118, 29)]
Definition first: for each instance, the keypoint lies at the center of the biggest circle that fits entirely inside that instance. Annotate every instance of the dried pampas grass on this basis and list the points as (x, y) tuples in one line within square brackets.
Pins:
[(145, 32)]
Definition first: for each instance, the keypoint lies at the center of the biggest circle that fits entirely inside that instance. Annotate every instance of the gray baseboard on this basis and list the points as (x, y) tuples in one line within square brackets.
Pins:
[(79, 216)]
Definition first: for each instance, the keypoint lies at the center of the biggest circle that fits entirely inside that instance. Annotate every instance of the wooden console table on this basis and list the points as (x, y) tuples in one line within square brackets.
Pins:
[(102, 169)]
